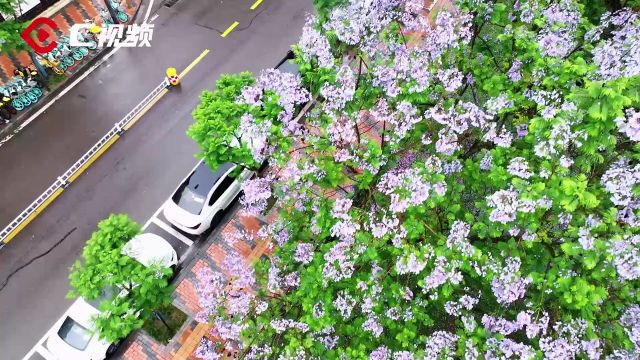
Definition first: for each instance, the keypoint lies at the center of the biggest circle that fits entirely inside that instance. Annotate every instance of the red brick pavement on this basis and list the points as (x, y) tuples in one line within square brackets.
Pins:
[(238, 234)]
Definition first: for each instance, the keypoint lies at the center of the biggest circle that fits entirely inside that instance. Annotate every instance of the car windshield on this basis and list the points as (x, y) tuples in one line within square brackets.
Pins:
[(192, 194), (106, 294), (74, 334)]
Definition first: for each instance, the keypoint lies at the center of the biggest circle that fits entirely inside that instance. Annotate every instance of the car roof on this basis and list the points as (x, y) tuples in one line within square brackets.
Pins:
[(149, 249), (203, 179)]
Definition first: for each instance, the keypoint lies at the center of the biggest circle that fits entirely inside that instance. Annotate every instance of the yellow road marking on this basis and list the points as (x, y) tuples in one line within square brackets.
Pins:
[(99, 153), (26, 222), (145, 109), (193, 63), (230, 28), (255, 4), (93, 158)]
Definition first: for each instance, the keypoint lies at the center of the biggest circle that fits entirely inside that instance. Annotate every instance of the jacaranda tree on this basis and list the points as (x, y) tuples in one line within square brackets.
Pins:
[(465, 186)]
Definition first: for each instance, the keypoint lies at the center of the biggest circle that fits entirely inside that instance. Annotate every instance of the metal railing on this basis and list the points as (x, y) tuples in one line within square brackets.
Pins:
[(62, 181)]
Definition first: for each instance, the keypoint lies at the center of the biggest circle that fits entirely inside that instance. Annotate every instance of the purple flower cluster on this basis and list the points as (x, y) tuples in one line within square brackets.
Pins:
[(619, 181), (337, 96), (206, 350), (617, 56), (440, 344), (444, 271), (256, 192), (505, 205), (282, 325), (289, 91), (630, 125), (630, 320), (304, 253), (524, 320), (507, 285), (557, 38), (519, 167), (514, 72), (407, 188), (255, 134), (314, 44), (457, 238), (626, 257)]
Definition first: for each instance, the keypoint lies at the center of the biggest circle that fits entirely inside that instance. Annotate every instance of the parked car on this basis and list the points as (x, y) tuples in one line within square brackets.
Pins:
[(150, 249), (203, 196), (72, 337)]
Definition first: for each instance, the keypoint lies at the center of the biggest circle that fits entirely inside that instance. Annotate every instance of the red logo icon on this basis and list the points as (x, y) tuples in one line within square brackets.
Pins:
[(42, 35)]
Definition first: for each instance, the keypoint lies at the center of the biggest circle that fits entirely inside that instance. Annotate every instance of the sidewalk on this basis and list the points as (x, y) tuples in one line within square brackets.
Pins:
[(239, 235), (73, 12)]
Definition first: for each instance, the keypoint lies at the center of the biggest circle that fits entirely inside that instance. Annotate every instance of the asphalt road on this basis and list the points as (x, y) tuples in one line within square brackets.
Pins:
[(138, 173)]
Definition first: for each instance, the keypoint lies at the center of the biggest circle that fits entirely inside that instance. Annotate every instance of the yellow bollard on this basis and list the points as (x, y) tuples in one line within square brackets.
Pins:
[(172, 76)]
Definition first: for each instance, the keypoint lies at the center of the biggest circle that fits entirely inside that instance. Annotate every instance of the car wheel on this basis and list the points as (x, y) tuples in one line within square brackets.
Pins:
[(113, 348)]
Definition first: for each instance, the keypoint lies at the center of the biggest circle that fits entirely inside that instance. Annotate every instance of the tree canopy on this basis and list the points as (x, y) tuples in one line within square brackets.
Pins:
[(10, 28), (466, 186), (130, 290)]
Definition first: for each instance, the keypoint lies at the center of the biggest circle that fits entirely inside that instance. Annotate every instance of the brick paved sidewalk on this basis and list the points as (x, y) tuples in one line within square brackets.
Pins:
[(239, 235)]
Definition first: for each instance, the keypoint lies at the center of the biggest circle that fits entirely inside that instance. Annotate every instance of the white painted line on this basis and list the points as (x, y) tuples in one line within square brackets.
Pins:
[(155, 215), (146, 16), (171, 231), (64, 91), (154, 17)]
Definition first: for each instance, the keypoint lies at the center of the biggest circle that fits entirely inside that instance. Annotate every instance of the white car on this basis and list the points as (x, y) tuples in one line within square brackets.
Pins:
[(203, 196), (150, 249), (72, 337)]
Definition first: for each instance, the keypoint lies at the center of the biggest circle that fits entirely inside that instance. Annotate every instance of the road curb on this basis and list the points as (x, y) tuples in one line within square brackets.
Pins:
[(14, 126)]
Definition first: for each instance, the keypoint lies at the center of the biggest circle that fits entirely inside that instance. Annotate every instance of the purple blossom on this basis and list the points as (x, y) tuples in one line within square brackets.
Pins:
[(304, 253), (206, 350), (519, 167), (514, 73), (405, 188), (451, 79), (282, 325), (444, 271), (251, 95), (373, 326), (344, 304), (630, 321), (522, 130), (505, 204), (380, 353), (618, 56), (626, 257), (256, 193), (487, 161), (630, 125), (403, 355), (337, 96), (619, 181), (410, 264), (457, 238), (507, 286), (440, 343), (314, 44)]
